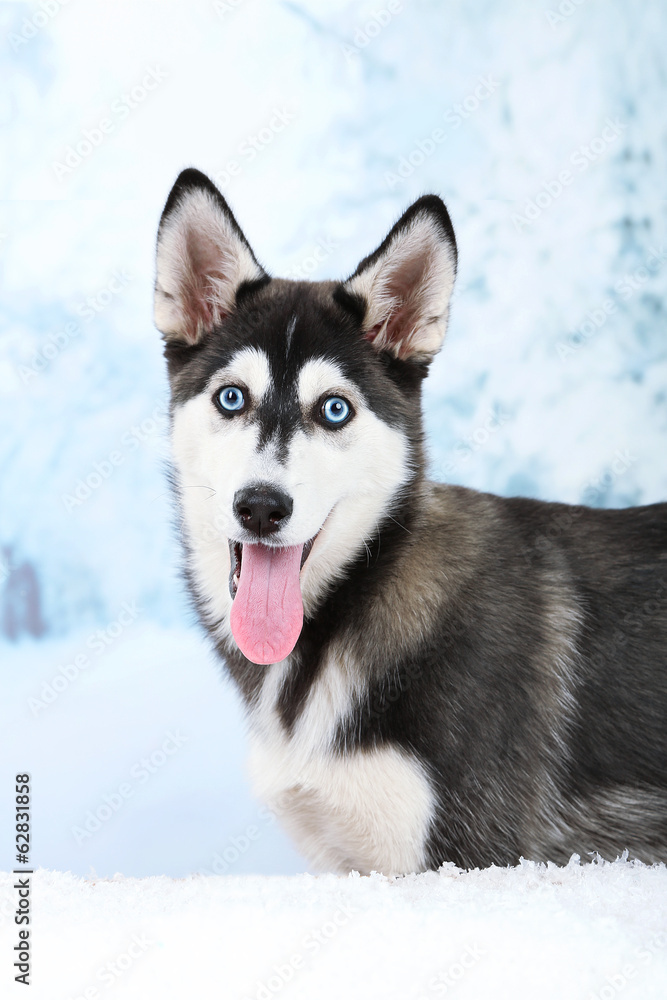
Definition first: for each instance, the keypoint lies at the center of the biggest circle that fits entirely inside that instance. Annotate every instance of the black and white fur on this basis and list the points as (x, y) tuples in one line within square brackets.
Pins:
[(477, 678)]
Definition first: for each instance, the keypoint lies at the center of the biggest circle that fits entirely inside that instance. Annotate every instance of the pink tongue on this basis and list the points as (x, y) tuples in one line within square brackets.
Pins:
[(267, 611)]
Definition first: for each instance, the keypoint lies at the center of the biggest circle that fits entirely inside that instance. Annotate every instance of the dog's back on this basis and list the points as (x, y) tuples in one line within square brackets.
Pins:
[(545, 673)]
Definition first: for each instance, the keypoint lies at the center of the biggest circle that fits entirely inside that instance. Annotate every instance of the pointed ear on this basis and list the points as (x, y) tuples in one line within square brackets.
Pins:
[(203, 258), (405, 286)]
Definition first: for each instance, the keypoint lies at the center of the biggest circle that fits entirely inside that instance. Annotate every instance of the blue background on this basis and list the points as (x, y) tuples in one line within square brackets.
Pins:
[(321, 122)]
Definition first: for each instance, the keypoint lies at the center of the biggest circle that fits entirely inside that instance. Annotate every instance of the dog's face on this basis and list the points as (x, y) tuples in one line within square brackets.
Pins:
[(296, 417)]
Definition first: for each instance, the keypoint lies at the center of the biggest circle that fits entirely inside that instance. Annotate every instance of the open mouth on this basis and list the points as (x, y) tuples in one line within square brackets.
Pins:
[(266, 616), (236, 559)]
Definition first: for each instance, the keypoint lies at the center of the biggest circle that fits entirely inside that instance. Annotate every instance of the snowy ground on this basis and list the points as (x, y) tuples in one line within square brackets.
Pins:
[(591, 932), (552, 384)]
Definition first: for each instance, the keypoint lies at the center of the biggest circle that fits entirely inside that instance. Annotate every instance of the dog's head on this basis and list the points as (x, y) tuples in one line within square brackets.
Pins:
[(296, 405)]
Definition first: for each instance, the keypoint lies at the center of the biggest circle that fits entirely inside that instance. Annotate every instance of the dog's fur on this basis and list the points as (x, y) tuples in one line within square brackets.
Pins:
[(477, 678)]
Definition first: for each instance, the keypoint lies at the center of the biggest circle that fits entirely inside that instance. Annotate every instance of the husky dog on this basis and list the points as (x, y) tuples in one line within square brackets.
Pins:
[(431, 674)]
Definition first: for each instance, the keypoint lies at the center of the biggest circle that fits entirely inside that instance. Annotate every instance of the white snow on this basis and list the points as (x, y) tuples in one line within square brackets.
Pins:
[(340, 107), (581, 932)]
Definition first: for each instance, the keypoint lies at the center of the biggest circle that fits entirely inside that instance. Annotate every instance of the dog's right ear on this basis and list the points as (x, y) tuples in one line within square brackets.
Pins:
[(203, 259)]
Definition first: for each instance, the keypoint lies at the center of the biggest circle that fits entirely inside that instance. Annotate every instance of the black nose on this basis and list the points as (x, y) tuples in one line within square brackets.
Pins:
[(262, 508)]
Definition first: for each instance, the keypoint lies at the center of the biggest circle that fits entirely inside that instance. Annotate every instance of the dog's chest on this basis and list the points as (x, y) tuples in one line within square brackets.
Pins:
[(367, 810)]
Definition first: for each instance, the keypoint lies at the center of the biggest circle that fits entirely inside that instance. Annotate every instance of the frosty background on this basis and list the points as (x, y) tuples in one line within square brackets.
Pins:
[(543, 128)]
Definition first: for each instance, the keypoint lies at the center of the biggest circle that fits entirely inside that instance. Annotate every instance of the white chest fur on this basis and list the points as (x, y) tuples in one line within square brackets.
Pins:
[(364, 810)]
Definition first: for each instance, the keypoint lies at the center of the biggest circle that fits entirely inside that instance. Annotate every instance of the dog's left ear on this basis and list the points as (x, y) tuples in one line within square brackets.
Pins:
[(203, 259), (404, 287)]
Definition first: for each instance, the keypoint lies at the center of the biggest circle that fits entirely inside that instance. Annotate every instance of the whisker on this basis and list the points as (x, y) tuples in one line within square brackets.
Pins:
[(368, 553), (212, 491), (399, 524)]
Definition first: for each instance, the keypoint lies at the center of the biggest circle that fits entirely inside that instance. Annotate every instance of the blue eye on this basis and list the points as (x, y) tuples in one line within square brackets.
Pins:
[(231, 399), (335, 410)]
